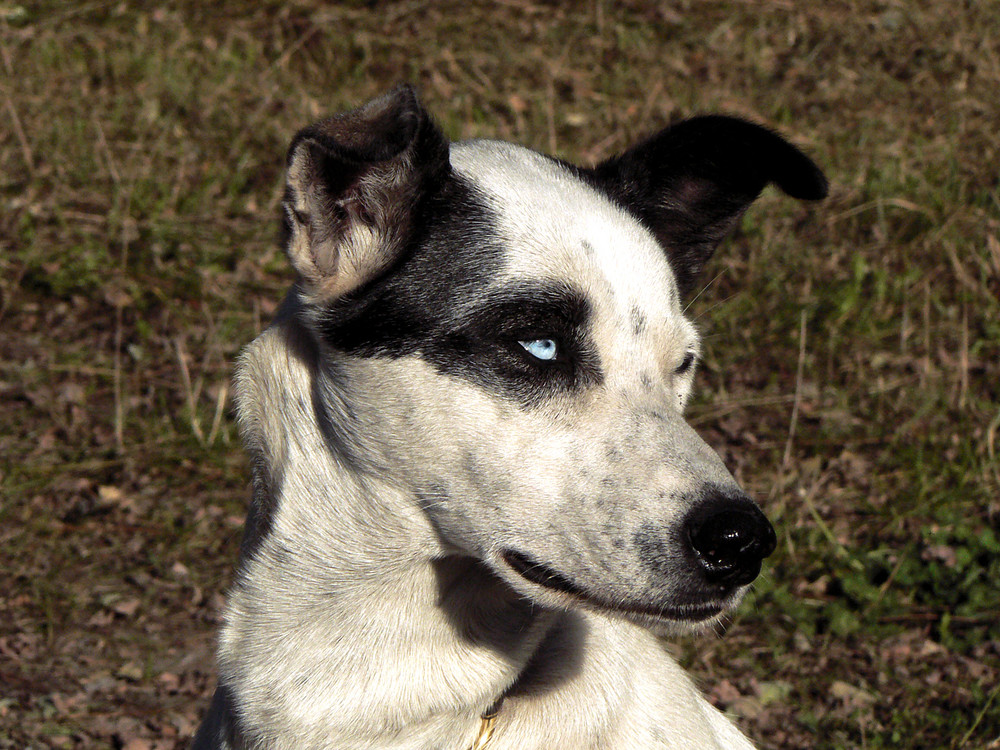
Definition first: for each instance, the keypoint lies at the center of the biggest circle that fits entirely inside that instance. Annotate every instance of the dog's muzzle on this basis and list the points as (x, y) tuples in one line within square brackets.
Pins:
[(697, 567)]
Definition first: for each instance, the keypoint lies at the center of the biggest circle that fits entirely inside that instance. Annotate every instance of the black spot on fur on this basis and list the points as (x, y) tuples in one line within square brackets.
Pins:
[(655, 550), (638, 320)]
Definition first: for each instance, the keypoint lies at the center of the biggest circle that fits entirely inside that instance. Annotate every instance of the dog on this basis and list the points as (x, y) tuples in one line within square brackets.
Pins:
[(476, 504)]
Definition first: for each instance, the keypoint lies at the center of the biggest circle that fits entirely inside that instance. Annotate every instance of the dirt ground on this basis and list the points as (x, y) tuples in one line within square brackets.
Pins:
[(850, 378)]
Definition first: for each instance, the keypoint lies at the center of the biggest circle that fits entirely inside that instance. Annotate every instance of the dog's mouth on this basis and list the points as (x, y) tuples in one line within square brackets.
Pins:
[(543, 575), (535, 572)]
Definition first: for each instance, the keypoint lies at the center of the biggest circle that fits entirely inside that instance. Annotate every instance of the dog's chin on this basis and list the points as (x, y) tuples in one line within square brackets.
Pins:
[(550, 588), (684, 625)]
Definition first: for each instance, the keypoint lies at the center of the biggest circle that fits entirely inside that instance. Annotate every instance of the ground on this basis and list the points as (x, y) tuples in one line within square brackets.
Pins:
[(852, 368)]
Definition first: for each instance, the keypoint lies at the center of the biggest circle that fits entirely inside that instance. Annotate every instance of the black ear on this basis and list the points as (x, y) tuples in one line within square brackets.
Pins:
[(691, 182), (354, 181)]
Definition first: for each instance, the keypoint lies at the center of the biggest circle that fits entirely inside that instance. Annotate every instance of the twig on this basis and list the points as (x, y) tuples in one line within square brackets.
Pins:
[(220, 404), (550, 112), (117, 380), (963, 374), (22, 137), (796, 400), (602, 148), (925, 370), (186, 378), (885, 586), (722, 408), (29, 159), (991, 440), (102, 139), (979, 717), (786, 459), (955, 620), (109, 158), (807, 498), (879, 204)]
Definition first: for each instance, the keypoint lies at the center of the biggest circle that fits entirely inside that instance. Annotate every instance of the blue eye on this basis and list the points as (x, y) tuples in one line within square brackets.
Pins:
[(543, 349)]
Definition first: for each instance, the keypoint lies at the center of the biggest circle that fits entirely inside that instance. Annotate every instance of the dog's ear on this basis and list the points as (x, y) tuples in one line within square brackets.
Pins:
[(354, 181), (691, 182)]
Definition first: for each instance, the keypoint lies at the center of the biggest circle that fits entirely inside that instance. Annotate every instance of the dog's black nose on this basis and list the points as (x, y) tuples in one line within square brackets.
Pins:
[(730, 541)]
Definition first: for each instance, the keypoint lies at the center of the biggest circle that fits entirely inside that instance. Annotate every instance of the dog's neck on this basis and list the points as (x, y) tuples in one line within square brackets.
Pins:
[(347, 613)]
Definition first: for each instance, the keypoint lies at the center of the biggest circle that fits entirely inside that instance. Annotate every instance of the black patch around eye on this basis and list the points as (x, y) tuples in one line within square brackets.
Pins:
[(486, 346), (685, 364)]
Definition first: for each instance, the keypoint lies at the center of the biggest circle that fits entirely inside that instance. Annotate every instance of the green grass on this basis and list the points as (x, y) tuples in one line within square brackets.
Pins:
[(140, 176)]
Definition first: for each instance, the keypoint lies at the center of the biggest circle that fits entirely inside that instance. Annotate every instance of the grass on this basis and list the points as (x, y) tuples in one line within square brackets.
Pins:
[(852, 347)]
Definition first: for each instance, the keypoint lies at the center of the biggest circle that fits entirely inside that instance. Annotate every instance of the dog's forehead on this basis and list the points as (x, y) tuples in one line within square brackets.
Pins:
[(555, 225)]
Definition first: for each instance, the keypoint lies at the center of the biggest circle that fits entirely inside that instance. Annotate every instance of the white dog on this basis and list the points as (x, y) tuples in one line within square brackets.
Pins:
[(477, 503)]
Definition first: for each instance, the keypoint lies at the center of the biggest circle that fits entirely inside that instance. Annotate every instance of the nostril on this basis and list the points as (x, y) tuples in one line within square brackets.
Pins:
[(731, 544)]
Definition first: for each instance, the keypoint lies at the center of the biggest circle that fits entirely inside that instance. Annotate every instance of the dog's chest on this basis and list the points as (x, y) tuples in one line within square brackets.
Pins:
[(606, 684)]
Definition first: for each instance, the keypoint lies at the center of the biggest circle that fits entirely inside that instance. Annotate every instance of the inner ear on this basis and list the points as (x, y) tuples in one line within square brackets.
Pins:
[(355, 182), (691, 182)]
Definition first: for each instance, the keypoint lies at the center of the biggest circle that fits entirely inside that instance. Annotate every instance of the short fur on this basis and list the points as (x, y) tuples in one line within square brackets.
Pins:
[(473, 481)]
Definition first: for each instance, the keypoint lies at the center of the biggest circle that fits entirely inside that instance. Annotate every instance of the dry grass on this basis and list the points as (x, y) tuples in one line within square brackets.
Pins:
[(851, 377)]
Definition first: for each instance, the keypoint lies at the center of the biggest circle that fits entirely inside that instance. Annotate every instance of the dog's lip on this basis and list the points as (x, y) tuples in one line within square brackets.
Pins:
[(542, 575), (533, 571)]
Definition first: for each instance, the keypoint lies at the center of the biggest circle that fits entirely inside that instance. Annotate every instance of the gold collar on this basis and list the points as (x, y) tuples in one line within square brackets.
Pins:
[(487, 722)]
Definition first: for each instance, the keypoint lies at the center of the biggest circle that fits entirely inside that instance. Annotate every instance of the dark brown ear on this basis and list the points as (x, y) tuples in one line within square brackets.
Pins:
[(691, 182), (354, 182)]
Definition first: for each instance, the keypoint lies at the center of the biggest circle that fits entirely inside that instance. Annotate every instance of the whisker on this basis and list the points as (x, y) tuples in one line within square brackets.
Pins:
[(721, 302), (702, 291)]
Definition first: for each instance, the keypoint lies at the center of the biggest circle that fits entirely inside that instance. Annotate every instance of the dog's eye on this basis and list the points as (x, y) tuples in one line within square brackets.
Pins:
[(545, 350), (685, 364)]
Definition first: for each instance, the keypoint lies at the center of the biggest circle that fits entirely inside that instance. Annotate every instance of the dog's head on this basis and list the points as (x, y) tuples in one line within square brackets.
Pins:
[(505, 333)]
